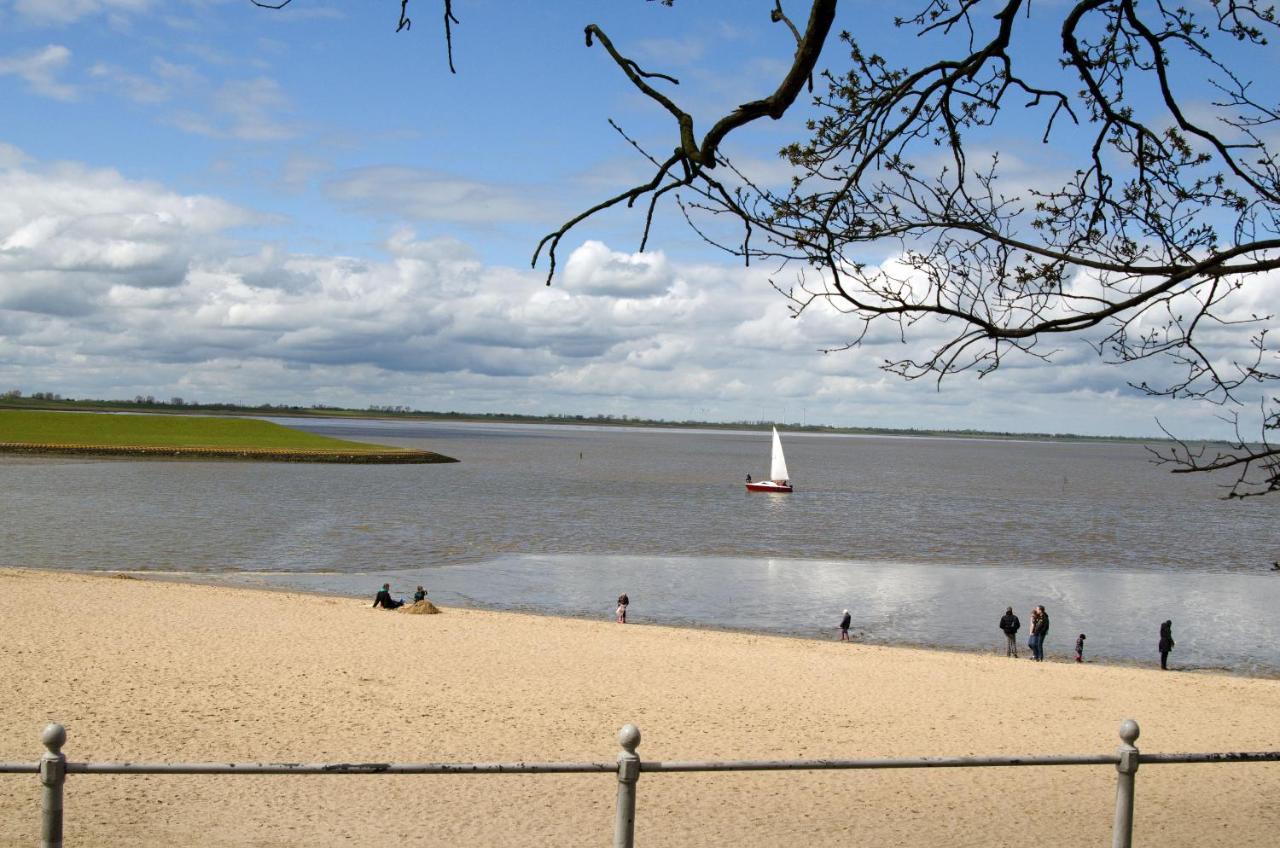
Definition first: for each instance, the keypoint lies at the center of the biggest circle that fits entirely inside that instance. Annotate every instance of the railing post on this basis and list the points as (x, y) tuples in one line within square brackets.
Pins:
[(624, 827), (1127, 771), (53, 774)]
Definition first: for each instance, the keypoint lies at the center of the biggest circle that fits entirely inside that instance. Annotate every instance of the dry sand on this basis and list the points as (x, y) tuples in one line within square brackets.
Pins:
[(143, 670)]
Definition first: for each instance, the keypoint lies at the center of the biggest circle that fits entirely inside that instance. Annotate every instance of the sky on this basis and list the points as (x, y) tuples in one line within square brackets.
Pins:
[(209, 200)]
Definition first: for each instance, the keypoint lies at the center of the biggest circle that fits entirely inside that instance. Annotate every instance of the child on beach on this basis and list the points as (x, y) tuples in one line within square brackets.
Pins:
[(1080, 648), (844, 626), (623, 603)]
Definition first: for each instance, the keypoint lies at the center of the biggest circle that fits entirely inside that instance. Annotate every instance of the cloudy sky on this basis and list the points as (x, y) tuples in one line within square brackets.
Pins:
[(206, 199)]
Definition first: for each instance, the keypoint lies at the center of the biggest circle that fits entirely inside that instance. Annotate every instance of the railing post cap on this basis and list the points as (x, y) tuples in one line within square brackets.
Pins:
[(54, 737), (1129, 731), (629, 738)]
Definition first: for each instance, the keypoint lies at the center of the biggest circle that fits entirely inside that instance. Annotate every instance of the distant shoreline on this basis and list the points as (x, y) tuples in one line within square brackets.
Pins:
[(338, 414)]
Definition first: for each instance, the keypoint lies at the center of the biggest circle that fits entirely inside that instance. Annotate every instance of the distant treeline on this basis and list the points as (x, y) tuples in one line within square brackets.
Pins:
[(15, 399)]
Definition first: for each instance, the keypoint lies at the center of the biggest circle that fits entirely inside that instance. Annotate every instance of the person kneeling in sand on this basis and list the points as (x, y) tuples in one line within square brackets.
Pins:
[(420, 595), (383, 598)]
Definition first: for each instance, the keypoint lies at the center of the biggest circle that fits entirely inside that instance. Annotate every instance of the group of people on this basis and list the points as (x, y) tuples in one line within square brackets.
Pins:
[(1010, 624), (383, 598)]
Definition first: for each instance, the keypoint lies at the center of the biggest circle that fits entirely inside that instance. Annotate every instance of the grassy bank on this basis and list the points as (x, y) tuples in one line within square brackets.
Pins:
[(31, 431)]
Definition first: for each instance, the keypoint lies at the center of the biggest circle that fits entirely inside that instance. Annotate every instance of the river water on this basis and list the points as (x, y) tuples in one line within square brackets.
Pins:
[(924, 540)]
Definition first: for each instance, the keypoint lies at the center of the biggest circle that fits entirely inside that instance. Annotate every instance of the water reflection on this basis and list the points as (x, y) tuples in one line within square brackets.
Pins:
[(1221, 621)]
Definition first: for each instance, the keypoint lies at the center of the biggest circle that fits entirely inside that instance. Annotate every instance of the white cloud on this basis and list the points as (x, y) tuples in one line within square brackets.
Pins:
[(132, 86), (424, 195), (68, 234), (62, 12), (41, 71), (249, 110), (595, 269), (11, 157), (110, 286)]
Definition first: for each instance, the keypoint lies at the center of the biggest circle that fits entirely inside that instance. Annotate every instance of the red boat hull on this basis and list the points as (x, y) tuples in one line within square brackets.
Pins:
[(768, 486)]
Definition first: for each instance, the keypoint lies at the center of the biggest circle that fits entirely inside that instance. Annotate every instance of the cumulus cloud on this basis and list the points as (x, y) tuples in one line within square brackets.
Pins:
[(41, 71), (595, 269), (68, 234), (113, 287)]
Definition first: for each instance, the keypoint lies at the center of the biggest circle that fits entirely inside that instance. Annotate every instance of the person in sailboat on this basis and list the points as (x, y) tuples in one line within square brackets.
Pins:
[(748, 478)]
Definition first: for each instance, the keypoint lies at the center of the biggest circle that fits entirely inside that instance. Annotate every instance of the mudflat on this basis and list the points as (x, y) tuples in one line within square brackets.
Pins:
[(154, 671)]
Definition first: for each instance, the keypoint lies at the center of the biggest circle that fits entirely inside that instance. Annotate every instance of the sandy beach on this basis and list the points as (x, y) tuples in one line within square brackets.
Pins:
[(143, 670)]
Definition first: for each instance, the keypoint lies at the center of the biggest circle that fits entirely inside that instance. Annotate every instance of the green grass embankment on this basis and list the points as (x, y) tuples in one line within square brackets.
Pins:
[(38, 432)]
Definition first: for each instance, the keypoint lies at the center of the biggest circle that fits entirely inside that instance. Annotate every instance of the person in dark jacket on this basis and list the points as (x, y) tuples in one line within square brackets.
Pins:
[(844, 626), (383, 598), (1009, 623), (1166, 644), (420, 595), (1039, 630)]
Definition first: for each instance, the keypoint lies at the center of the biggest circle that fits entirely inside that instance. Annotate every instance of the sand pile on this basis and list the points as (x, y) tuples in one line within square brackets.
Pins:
[(420, 608)]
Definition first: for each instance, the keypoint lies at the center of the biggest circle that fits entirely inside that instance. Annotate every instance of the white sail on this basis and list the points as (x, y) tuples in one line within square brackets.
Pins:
[(778, 466)]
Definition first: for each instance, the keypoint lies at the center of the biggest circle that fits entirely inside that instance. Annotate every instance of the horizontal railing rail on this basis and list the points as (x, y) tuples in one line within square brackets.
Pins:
[(53, 768)]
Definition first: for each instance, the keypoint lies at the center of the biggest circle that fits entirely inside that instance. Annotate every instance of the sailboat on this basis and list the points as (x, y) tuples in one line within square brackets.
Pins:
[(779, 480)]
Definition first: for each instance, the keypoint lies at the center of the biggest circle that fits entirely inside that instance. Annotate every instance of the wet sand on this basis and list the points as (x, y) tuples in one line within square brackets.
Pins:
[(143, 670)]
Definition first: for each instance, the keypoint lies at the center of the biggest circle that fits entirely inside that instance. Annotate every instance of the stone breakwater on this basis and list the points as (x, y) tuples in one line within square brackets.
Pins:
[(387, 457)]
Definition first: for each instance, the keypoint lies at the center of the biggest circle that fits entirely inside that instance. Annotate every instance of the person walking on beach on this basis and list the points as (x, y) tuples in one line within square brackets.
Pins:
[(844, 626), (1080, 648), (1166, 644), (1009, 623), (383, 598), (623, 601)]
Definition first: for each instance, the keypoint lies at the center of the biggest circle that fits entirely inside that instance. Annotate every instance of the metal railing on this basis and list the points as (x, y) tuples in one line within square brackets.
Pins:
[(53, 769)]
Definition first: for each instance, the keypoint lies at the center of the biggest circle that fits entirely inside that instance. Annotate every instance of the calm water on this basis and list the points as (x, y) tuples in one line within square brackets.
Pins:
[(924, 540)]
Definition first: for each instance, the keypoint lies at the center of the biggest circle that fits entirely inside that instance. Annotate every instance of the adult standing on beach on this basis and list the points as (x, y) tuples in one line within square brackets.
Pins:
[(1031, 630), (1009, 623), (1166, 644), (623, 602), (1041, 629), (844, 626)]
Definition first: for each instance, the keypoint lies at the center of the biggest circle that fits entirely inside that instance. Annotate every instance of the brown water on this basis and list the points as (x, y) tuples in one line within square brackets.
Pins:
[(924, 540)]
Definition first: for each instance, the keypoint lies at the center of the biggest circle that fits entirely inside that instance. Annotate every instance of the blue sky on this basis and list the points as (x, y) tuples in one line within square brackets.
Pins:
[(206, 199)]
